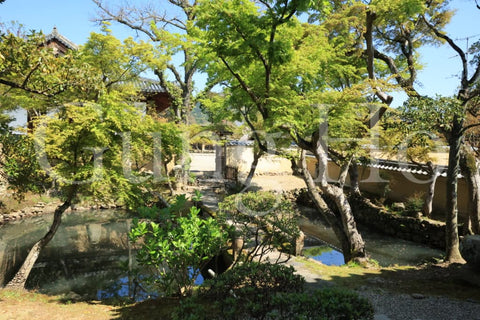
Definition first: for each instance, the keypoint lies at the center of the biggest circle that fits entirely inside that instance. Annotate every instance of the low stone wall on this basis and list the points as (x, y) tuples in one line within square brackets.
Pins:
[(429, 232), (36, 210), (46, 208)]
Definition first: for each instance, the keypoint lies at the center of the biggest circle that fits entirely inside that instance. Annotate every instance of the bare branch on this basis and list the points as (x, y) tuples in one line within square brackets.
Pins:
[(25, 88), (244, 85), (464, 79), (385, 98), (139, 19)]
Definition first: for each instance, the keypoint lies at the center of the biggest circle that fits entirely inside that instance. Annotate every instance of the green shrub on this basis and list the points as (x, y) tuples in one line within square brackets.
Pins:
[(267, 291), (324, 304), (264, 220), (246, 289), (414, 204), (176, 247), (263, 278)]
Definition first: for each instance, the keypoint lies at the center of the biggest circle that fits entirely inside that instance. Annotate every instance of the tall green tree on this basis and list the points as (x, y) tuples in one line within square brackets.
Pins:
[(396, 38), (425, 26), (170, 27), (94, 141), (284, 72), (468, 92)]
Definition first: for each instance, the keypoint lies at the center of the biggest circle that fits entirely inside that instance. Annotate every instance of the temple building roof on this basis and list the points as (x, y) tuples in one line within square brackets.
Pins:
[(59, 43)]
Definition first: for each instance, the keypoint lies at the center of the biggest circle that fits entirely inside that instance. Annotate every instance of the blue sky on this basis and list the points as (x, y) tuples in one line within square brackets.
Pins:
[(73, 19)]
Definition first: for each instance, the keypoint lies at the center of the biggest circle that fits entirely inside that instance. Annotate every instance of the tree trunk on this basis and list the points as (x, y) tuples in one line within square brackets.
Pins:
[(451, 227), (20, 278), (182, 175), (296, 170), (324, 210), (342, 177), (428, 204), (469, 167), (343, 224), (253, 168), (354, 181), (169, 181)]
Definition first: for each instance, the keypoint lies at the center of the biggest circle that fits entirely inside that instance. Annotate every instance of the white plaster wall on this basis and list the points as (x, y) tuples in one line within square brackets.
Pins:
[(241, 157)]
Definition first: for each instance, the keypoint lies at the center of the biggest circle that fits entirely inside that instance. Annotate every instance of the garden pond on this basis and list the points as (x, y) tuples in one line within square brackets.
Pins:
[(90, 256)]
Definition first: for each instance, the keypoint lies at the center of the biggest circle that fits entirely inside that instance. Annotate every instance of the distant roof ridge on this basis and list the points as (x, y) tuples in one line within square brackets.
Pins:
[(65, 41), (147, 85)]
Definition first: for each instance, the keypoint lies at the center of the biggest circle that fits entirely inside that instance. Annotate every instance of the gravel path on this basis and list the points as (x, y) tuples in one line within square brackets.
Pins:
[(397, 306), (391, 306)]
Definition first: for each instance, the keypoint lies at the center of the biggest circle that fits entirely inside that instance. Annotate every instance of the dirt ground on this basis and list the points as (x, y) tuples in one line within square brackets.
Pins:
[(20, 305)]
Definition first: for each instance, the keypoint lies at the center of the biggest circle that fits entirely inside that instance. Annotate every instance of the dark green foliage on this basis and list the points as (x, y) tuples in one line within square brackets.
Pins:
[(267, 291), (322, 304), (264, 220), (254, 278), (414, 204), (20, 165)]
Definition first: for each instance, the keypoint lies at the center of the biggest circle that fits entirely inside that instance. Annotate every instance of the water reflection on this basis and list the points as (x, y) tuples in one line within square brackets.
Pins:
[(91, 256), (325, 254), (384, 249), (89, 253)]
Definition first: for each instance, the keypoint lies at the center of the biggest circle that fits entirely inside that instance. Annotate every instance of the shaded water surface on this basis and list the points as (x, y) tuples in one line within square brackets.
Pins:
[(384, 249), (91, 256)]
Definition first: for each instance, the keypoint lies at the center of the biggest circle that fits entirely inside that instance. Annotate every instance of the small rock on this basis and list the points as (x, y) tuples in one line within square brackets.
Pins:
[(398, 206), (417, 296), (73, 296), (375, 280), (470, 250)]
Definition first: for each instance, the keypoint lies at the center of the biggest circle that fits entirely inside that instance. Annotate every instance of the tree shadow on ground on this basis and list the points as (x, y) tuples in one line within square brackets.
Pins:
[(455, 281), (161, 308)]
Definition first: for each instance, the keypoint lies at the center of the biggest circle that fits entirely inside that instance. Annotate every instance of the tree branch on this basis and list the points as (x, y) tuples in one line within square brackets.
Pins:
[(385, 98), (24, 87), (245, 87), (464, 129), (176, 74), (464, 79)]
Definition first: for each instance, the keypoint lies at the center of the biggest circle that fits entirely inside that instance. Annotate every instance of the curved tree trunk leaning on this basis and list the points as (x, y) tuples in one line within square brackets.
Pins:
[(343, 222), (20, 278), (253, 168)]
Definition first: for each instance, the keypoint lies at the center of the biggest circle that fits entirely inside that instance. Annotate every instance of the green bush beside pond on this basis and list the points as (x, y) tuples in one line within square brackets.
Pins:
[(267, 291)]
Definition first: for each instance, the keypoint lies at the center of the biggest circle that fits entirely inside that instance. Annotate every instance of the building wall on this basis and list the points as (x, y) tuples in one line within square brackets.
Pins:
[(399, 186), (241, 157), (395, 185)]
